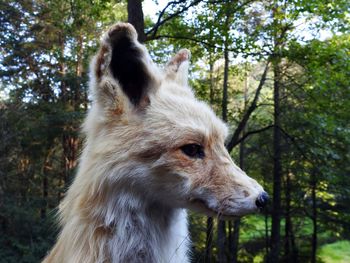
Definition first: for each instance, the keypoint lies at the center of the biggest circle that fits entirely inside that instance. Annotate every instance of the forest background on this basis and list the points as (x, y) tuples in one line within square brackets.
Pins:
[(276, 71)]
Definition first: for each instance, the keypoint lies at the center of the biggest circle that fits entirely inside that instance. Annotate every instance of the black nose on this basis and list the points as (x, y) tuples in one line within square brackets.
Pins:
[(262, 199)]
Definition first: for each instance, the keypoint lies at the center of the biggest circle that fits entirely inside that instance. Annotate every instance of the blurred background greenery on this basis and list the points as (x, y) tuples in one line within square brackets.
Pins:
[(276, 71)]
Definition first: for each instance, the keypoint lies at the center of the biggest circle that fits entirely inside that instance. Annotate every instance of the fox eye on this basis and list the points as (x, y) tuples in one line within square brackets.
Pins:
[(193, 150)]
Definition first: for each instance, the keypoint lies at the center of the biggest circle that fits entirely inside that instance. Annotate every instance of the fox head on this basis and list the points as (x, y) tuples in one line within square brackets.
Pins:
[(155, 139)]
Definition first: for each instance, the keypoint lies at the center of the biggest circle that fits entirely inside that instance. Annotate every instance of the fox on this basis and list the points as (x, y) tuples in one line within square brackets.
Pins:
[(152, 150)]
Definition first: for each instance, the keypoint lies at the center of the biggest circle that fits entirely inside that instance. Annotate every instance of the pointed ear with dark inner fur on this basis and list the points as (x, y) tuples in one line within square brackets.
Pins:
[(130, 64)]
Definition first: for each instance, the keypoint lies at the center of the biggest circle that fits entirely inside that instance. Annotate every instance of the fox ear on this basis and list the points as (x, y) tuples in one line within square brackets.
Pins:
[(124, 60), (177, 67)]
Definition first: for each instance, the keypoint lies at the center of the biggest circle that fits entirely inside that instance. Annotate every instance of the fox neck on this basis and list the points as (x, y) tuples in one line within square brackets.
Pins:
[(146, 232)]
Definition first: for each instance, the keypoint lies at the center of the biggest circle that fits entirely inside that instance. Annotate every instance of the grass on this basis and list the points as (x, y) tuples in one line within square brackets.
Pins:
[(338, 252)]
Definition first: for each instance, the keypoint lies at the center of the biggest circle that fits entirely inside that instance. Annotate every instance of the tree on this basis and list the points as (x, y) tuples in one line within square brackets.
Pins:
[(45, 47), (45, 51)]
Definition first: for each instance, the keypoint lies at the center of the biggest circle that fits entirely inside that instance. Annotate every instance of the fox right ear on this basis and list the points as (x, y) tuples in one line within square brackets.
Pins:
[(177, 67), (123, 62)]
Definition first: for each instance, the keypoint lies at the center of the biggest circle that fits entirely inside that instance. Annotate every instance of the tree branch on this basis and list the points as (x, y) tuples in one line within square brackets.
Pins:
[(293, 140), (154, 29), (248, 134), (252, 107), (205, 43), (161, 14), (185, 38)]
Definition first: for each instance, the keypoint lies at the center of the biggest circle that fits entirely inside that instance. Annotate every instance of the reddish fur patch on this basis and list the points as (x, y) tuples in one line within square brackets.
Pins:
[(118, 109), (180, 57), (210, 172), (100, 60)]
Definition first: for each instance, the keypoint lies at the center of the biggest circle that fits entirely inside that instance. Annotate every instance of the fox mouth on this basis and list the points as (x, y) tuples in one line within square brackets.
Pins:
[(201, 206)]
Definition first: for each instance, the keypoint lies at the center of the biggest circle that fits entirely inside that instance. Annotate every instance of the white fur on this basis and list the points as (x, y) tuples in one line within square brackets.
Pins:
[(127, 201)]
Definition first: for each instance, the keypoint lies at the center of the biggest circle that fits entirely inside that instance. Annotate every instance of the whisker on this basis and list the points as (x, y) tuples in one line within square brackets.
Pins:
[(204, 252), (178, 247)]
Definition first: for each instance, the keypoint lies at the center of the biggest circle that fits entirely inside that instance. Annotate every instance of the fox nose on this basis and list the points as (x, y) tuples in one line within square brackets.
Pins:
[(262, 199)]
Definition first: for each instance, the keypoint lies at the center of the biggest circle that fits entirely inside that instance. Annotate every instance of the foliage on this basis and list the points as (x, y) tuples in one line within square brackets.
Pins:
[(45, 51), (45, 48), (337, 252)]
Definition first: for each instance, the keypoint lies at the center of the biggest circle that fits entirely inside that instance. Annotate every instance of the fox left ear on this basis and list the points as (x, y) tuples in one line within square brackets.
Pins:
[(177, 67), (127, 63)]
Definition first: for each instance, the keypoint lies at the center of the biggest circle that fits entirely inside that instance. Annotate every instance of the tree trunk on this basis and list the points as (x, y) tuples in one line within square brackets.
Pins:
[(210, 230), (222, 241), (221, 224), (291, 254), (226, 62), (47, 166), (288, 225), (78, 73), (229, 240), (277, 170), (235, 240), (225, 85), (135, 17), (267, 243), (45, 193), (237, 222), (314, 216), (64, 97), (211, 76), (62, 66), (209, 240)]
